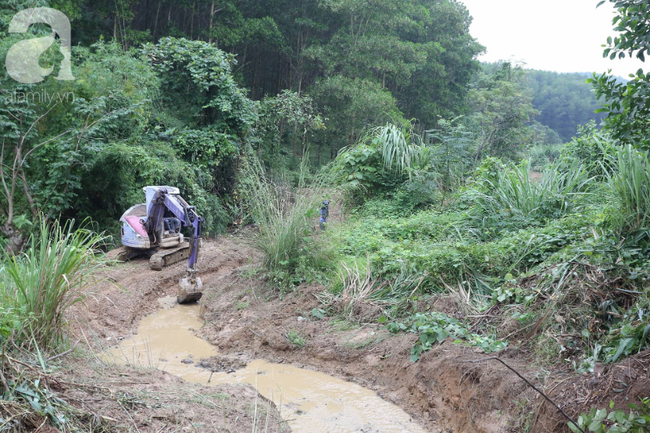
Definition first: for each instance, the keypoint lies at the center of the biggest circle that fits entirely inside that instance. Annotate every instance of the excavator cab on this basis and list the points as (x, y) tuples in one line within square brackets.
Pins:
[(135, 219)]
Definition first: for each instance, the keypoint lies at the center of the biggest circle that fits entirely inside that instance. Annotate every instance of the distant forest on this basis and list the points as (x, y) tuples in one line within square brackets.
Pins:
[(410, 60), (362, 63), (564, 101), (176, 92)]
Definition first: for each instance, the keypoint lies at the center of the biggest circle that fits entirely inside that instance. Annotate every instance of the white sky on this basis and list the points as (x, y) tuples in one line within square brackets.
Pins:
[(550, 35)]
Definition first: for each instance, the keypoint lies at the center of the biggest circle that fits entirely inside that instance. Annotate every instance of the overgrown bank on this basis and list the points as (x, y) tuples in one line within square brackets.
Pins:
[(550, 265)]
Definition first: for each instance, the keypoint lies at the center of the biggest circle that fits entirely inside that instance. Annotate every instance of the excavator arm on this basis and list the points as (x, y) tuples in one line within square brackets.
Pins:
[(190, 286)]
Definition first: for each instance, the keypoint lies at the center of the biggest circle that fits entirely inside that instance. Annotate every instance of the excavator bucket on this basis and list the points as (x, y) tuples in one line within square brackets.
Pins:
[(189, 290)]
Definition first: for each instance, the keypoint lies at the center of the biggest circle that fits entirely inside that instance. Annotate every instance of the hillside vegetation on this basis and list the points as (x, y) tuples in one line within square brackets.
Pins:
[(489, 185)]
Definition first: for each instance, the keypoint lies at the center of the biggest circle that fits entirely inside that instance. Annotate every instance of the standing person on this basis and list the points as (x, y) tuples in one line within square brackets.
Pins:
[(324, 212)]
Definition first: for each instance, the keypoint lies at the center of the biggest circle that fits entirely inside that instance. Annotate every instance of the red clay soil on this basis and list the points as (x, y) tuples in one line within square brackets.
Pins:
[(445, 391)]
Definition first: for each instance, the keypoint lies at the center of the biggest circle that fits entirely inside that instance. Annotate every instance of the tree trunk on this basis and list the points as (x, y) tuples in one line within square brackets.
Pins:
[(320, 151), (211, 20), (155, 24), (192, 21), (16, 241)]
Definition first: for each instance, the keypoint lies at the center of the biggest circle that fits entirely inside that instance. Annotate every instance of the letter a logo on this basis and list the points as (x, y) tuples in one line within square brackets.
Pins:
[(22, 58)]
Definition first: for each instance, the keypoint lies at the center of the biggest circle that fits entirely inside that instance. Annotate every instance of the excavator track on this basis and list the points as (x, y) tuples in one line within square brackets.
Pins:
[(168, 256)]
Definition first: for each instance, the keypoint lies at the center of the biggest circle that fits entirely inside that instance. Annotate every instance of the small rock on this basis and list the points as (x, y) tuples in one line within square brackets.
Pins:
[(187, 361)]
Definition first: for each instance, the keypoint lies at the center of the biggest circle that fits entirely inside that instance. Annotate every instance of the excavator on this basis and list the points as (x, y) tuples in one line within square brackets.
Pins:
[(153, 229)]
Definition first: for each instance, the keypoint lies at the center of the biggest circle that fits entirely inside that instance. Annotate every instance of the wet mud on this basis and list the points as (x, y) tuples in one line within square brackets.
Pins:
[(311, 401)]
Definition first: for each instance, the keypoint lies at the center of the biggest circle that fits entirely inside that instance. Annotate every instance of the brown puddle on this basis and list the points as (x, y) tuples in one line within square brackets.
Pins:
[(313, 402)]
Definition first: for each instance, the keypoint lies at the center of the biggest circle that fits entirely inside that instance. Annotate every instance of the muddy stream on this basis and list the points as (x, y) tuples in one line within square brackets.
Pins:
[(313, 402)]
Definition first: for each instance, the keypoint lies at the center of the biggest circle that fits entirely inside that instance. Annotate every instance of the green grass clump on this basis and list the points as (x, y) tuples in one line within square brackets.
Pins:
[(295, 338), (631, 183), (512, 190), (284, 216), (37, 286)]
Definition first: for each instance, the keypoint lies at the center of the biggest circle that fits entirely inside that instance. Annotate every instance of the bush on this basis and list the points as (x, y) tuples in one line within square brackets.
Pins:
[(382, 160), (448, 246), (434, 327), (591, 148), (542, 155), (618, 421)]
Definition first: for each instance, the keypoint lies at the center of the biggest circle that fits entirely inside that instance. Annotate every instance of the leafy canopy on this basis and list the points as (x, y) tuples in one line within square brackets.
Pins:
[(627, 104)]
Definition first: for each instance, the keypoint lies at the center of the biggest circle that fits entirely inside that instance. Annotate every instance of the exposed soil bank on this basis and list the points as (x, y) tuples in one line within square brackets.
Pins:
[(443, 391), (127, 399)]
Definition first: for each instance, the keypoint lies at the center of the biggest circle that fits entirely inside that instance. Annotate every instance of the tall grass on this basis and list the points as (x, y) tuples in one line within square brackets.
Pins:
[(41, 283), (513, 190), (284, 215), (631, 183)]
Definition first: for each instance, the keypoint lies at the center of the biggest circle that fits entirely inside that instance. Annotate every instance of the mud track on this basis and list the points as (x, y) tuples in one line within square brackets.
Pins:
[(246, 321)]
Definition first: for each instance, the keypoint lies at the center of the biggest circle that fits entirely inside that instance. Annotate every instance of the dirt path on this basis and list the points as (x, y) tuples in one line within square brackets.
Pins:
[(442, 392)]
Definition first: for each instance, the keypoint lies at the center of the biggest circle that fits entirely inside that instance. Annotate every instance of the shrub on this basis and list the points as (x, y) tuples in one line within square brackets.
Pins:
[(592, 148), (383, 159), (434, 327), (542, 155), (618, 421)]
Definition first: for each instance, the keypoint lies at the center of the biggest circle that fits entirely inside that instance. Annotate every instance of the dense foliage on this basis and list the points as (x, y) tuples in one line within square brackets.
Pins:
[(528, 245), (627, 104)]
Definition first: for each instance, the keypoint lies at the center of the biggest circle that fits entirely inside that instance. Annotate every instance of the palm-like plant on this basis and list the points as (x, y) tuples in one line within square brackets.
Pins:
[(398, 149)]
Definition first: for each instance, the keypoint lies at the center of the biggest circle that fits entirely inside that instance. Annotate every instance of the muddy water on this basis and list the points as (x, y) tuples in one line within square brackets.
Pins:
[(313, 402)]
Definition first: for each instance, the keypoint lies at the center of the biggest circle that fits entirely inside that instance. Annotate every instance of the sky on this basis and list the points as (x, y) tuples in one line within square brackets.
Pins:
[(550, 35)]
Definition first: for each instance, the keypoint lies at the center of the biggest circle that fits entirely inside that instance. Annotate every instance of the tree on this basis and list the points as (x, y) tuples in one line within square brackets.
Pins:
[(291, 115), (439, 87), (627, 104), (208, 115), (350, 106), (502, 112)]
